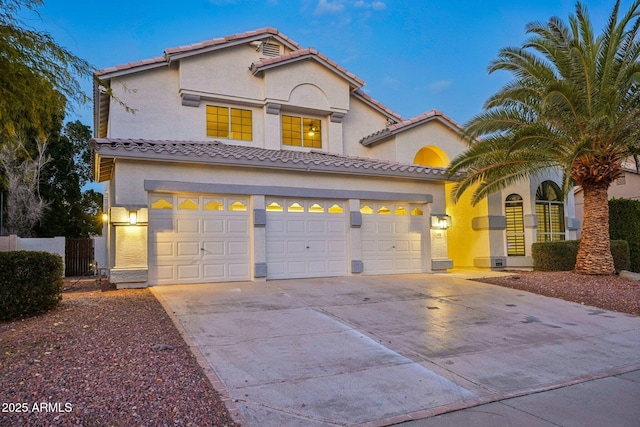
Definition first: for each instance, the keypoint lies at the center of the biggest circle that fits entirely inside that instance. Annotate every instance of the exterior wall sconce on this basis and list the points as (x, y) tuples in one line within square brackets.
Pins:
[(105, 217), (128, 215), (133, 217), (440, 222)]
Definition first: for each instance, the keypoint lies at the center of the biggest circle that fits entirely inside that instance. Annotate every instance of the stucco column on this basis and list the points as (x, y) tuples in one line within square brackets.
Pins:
[(355, 236), (259, 238)]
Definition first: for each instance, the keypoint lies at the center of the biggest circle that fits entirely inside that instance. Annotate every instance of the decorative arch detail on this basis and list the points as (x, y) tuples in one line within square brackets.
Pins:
[(432, 156), (310, 96)]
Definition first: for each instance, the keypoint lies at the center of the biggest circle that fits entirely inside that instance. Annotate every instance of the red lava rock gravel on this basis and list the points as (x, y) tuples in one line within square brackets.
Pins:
[(109, 358), (612, 293)]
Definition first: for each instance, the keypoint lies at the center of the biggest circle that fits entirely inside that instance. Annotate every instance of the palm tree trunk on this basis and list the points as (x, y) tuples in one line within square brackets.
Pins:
[(594, 253)]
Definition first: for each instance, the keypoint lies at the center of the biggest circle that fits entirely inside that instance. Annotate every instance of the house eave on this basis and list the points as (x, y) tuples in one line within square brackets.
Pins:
[(107, 156)]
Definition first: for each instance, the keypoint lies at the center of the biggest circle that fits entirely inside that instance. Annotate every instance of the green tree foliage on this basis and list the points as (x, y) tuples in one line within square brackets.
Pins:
[(625, 225), (71, 212), (36, 74), (574, 105)]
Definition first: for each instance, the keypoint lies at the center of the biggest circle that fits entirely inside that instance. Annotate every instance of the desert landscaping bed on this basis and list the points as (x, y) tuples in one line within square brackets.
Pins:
[(115, 358), (103, 359), (612, 293)]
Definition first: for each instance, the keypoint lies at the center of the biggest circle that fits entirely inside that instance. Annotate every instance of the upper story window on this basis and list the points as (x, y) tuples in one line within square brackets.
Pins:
[(230, 123), (301, 132)]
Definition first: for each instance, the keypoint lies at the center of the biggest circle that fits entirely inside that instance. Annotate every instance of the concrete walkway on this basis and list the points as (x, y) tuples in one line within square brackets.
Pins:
[(385, 350)]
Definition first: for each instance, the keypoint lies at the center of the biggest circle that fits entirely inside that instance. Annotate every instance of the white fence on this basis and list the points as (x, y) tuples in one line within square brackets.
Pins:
[(54, 245)]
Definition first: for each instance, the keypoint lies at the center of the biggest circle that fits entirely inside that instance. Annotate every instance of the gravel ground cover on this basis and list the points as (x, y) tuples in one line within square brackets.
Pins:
[(109, 358), (114, 358), (612, 293)]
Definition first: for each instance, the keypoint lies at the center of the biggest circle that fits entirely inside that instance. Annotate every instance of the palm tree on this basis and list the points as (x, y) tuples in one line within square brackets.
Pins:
[(573, 105)]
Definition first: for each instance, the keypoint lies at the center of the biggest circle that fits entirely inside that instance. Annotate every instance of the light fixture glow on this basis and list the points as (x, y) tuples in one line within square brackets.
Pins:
[(105, 217), (133, 217), (440, 222), (312, 131)]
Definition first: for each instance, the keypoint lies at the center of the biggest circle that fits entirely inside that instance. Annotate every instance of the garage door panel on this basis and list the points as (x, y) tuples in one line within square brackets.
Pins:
[(336, 227), (164, 249), (188, 272), (307, 243), (188, 248), (188, 225), (213, 248), (195, 243), (295, 226), (336, 247), (384, 227), (401, 227), (213, 225), (163, 224), (316, 226), (276, 248), (296, 246), (237, 226), (392, 238), (238, 271), (166, 272), (238, 248)]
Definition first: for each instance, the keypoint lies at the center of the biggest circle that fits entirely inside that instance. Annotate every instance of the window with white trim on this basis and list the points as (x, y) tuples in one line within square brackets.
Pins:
[(229, 123), (301, 131), (550, 212), (514, 213)]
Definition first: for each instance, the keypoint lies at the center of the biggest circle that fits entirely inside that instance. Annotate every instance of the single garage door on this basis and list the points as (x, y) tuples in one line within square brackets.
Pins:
[(305, 238), (392, 238), (198, 238)]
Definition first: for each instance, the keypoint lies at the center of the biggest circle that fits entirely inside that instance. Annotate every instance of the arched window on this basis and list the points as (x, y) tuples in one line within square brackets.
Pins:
[(550, 212), (514, 213)]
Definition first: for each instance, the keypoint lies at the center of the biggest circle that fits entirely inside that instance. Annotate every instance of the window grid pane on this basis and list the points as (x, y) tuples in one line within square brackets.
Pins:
[(301, 132), (232, 123), (515, 228)]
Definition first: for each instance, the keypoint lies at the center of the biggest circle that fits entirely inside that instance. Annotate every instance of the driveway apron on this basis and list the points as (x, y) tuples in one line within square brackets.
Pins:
[(376, 350)]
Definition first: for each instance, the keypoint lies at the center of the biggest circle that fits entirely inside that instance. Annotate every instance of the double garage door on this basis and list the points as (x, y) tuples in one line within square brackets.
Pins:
[(208, 238)]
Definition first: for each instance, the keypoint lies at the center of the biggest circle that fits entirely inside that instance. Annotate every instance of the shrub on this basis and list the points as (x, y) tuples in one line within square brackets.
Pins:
[(624, 224), (561, 255), (554, 256), (30, 282)]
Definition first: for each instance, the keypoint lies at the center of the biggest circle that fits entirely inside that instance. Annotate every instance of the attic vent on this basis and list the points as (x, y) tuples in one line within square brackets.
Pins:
[(270, 49)]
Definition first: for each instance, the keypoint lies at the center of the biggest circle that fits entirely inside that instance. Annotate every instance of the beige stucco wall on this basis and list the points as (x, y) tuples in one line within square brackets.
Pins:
[(223, 74)]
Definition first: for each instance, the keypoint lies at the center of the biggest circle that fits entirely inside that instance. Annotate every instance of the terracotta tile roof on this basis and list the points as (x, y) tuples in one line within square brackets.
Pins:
[(377, 104), (168, 53), (408, 124), (158, 60), (219, 153), (308, 53), (234, 37)]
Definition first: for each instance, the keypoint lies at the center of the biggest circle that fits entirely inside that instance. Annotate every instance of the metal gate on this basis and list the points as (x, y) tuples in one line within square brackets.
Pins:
[(79, 257)]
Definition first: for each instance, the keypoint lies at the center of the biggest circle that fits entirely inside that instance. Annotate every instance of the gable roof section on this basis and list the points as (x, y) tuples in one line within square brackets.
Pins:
[(376, 105), (306, 54), (175, 53), (218, 153), (409, 124)]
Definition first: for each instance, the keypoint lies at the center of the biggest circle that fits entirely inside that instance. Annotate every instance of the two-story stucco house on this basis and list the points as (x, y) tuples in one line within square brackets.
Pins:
[(250, 157)]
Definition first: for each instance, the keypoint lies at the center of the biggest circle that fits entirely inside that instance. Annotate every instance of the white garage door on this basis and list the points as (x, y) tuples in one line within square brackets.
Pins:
[(306, 238), (392, 240), (198, 238)]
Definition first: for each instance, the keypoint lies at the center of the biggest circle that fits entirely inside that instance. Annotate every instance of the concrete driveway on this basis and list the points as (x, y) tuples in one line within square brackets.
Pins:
[(379, 350)]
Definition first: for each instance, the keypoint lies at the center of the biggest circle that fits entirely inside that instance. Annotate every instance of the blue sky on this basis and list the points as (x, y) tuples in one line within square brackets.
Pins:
[(414, 55)]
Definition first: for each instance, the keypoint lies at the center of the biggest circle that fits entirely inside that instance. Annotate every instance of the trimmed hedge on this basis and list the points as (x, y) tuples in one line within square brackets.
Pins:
[(30, 283), (624, 224), (561, 255)]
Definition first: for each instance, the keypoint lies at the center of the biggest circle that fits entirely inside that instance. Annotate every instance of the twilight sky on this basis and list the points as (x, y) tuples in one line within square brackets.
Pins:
[(414, 55)]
